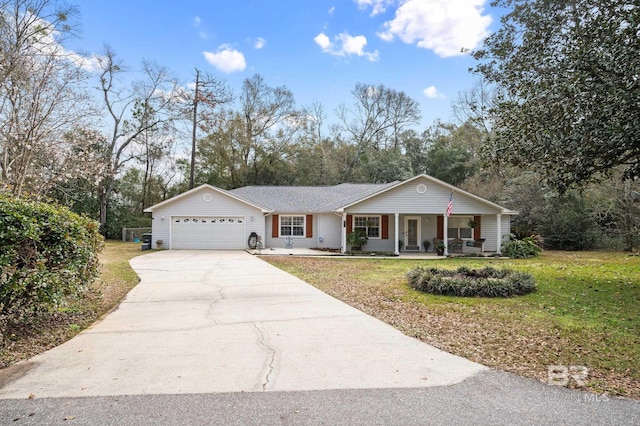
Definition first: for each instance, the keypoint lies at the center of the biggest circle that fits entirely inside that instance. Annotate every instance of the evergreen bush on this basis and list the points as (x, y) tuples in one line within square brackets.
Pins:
[(465, 282), (49, 254), (357, 239), (521, 249)]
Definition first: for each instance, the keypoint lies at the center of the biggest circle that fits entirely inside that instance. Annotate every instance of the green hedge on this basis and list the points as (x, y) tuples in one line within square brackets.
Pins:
[(49, 254), (520, 249), (484, 282)]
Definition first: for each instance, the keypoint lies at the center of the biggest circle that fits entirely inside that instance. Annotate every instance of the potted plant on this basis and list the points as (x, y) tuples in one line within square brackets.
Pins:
[(440, 248), (400, 245), (159, 243), (426, 244)]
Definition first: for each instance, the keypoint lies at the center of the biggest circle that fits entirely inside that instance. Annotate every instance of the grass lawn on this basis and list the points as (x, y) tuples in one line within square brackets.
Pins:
[(585, 312), (46, 330)]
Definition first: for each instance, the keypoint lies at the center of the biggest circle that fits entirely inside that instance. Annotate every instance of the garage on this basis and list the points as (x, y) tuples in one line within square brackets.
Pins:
[(205, 218), (207, 233)]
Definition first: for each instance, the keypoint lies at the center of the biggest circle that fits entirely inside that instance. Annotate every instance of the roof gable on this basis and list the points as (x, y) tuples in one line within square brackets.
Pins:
[(448, 187), (198, 189)]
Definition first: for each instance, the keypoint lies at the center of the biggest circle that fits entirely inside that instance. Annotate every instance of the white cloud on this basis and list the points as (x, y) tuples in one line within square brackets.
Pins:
[(48, 44), (444, 26), (226, 59), (353, 45), (197, 21), (260, 43), (91, 63), (332, 10), (345, 45), (323, 41), (377, 6), (432, 92)]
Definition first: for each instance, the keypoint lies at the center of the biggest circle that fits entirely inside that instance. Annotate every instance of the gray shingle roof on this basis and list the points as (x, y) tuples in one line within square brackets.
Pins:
[(302, 199)]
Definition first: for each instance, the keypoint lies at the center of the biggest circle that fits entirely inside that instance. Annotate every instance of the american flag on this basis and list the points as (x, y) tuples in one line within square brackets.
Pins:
[(450, 205)]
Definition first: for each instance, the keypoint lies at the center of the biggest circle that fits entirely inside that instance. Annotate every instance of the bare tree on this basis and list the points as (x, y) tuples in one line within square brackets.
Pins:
[(155, 146), (314, 157), (264, 106), (252, 145), (209, 92), (264, 109), (377, 119), (144, 105), (32, 27), (474, 105), (43, 97), (315, 118)]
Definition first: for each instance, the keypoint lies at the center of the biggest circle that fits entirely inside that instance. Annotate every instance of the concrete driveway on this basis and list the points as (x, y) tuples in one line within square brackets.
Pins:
[(226, 321)]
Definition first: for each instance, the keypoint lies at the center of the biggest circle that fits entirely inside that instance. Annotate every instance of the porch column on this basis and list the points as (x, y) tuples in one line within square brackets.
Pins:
[(343, 234), (396, 249), (445, 234), (499, 233)]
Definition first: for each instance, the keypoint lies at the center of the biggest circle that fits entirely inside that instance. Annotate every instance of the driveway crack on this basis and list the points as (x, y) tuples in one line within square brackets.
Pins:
[(272, 357), (210, 314)]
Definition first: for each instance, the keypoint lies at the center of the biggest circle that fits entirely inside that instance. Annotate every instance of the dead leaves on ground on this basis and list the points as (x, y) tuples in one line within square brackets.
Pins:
[(474, 332)]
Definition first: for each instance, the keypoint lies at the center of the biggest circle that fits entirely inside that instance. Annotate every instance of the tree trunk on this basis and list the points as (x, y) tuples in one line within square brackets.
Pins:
[(193, 133), (102, 199), (104, 192)]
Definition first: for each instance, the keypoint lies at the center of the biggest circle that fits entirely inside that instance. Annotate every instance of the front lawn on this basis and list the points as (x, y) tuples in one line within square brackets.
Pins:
[(585, 312)]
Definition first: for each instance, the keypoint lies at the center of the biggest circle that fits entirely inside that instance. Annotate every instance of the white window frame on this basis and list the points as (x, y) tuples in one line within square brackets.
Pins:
[(291, 226), (366, 228), (458, 228)]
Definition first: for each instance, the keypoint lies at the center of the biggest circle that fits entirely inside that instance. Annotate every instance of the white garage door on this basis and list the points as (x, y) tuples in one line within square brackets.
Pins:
[(207, 233)]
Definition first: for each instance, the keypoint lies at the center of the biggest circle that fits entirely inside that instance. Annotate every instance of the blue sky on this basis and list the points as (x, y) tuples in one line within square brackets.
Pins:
[(319, 49)]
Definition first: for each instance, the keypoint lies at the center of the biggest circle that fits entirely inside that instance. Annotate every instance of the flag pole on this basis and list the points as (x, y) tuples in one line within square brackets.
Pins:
[(446, 215)]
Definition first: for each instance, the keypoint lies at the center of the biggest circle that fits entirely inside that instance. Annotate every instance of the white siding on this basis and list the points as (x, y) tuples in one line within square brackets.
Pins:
[(404, 200), (428, 230), (195, 205), (428, 225), (407, 200), (378, 244), (329, 229), (326, 225), (506, 226), (489, 230)]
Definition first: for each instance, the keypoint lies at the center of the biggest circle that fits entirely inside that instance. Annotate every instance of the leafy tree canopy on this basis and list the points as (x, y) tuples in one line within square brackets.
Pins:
[(568, 78)]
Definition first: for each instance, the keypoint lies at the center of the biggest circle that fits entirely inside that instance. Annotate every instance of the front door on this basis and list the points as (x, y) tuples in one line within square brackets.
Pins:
[(412, 233)]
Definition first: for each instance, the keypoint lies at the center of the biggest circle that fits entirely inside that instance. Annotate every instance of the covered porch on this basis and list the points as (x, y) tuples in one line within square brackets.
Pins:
[(408, 233)]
